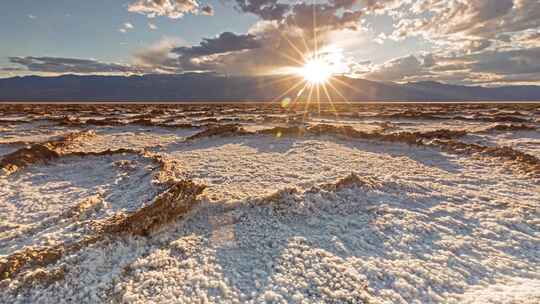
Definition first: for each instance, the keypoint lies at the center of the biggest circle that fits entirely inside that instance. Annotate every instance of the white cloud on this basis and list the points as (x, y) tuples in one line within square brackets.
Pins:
[(127, 26), (489, 67), (158, 57), (468, 26), (169, 8), (472, 41)]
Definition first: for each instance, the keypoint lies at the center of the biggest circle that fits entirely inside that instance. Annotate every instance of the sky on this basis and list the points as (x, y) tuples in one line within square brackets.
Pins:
[(473, 42)]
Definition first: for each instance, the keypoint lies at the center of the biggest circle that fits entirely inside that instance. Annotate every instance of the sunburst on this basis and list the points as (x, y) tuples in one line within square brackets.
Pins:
[(317, 69)]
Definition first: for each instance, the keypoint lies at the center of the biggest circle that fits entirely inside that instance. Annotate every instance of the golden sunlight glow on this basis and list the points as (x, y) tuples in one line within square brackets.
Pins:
[(319, 65), (316, 71)]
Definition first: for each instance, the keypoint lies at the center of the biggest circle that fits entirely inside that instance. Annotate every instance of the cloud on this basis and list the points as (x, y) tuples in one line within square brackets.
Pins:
[(474, 41), (473, 46), (284, 36), (494, 67), (524, 61), (334, 14), (158, 57), (466, 25), (528, 39), (169, 8), (265, 9), (127, 26), (152, 26), (397, 69), (225, 42), (207, 10), (331, 16), (71, 65), (30, 16), (12, 69), (215, 54)]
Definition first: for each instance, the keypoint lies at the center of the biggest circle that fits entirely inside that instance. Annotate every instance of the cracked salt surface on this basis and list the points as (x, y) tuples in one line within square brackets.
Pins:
[(443, 230), (435, 227), (239, 167), (53, 203), (35, 131), (6, 149), (131, 137), (524, 141)]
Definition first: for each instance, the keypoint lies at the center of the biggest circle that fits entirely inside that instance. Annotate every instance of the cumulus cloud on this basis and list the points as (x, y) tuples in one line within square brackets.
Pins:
[(169, 8), (327, 16), (285, 34), (265, 9), (467, 25), (495, 67), (158, 57), (474, 41), (225, 42), (215, 54), (334, 14)]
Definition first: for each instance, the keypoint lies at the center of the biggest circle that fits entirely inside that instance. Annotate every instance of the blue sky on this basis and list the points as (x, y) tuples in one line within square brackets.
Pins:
[(89, 29), (482, 42)]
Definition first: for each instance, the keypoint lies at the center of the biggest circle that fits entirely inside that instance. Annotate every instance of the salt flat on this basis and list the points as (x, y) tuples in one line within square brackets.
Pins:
[(377, 205)]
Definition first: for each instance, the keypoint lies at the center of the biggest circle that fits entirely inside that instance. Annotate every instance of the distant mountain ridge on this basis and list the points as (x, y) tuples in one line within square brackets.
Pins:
[(212, 87)]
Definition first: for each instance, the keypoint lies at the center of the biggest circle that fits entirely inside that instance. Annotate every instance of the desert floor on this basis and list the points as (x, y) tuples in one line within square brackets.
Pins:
[(265, 204)]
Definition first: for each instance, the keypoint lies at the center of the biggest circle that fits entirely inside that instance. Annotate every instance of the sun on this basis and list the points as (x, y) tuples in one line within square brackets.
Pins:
[(317, 77), (316, 71)]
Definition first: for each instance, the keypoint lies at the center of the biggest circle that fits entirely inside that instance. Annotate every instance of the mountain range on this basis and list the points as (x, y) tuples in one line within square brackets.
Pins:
[(213, 87)]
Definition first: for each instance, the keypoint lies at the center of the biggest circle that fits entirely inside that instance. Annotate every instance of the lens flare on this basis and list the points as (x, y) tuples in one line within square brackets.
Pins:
[(285, 102)]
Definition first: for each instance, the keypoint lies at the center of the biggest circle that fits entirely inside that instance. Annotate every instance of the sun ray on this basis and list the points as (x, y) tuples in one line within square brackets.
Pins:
[(299, 94), (338, 91), (315, 42), (318, 91), (306, 46), (310, 95), (346, 84), (302, 54), (295, 25), (325, 89), (299, 62), (280, 80), (318, 71), (289, 90)]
